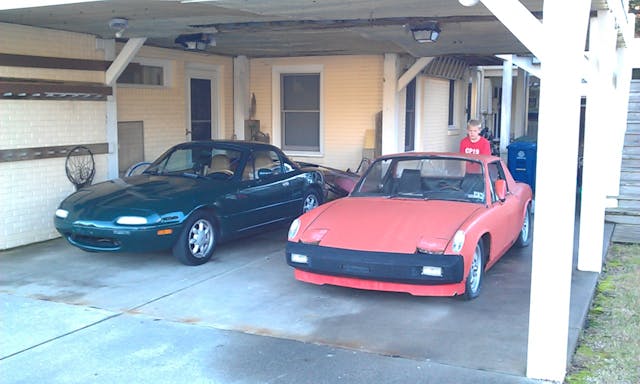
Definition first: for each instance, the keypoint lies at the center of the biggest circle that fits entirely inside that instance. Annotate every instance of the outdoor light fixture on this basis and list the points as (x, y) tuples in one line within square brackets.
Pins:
[(196, 41), (119, 24), (468, 3), (426, 33)]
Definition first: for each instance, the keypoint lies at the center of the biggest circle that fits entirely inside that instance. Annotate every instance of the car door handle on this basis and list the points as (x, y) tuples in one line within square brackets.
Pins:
[(285, 184)]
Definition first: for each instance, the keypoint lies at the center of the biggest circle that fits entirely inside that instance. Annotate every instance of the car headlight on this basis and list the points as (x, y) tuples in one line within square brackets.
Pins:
[(458, 241), (293, 229), (62, 213), (132, 220)]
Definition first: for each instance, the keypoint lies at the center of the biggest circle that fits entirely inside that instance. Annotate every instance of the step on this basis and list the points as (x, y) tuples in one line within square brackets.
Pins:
[(624, 233), (632, 139), (630, 188), (631, 151)]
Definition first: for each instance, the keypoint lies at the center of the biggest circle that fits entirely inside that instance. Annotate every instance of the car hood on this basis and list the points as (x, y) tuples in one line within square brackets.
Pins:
[(388, 225), (143, 193)]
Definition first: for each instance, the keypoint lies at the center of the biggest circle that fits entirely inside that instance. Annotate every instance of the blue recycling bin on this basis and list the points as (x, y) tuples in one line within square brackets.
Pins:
[(521, 161)]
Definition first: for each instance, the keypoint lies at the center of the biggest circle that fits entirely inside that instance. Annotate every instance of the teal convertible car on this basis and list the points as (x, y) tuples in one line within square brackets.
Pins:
[(194, 196)]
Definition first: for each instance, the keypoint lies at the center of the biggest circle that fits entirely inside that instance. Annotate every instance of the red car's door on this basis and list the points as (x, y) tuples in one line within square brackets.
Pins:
[(505, 216)]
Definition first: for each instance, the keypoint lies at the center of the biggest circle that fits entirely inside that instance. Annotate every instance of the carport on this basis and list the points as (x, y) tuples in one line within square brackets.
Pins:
[(509, 28), (243, 318)]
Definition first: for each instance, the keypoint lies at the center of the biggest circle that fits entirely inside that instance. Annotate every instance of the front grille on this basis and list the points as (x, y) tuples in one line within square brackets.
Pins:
[(96, 242)]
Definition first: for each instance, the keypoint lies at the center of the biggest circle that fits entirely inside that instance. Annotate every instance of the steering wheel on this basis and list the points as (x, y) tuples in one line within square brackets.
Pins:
[(224, 172)]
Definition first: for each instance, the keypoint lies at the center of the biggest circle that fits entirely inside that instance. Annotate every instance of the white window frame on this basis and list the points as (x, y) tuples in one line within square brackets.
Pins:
[(276, 98), (211, 72), (167, 73)]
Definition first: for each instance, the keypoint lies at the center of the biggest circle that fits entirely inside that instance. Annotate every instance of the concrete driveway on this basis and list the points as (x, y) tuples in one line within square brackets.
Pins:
[(72, 316)]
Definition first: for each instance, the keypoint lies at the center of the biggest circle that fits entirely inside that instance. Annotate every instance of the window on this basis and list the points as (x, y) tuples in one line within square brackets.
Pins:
[(410, 117), (452, 88), (297, 109), (267, 161), (146, 72), (300, 112)]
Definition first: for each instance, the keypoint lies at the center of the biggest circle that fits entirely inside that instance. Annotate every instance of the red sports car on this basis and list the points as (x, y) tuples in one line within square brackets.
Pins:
[(429, 224)]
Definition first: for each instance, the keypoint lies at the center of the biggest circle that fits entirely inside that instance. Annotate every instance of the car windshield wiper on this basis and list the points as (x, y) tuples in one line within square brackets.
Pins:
[(407, 195)]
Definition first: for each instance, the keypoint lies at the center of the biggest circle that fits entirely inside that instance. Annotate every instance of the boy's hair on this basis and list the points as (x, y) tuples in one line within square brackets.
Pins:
[(474, 123)]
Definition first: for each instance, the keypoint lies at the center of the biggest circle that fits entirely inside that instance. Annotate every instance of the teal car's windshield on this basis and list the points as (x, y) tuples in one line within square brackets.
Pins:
[(197, 160), (438, 178)]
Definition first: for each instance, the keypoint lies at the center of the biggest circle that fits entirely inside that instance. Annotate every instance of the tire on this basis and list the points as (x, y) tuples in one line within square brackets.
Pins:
[(197, 241), (474, 279), (524, 237), (310, 201)]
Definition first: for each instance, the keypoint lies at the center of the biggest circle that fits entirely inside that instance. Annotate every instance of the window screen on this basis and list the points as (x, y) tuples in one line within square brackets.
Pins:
[(300, 112)]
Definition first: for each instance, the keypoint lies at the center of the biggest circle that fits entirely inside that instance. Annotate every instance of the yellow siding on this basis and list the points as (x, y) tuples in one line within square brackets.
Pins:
[(435, 115), (352, 95), (24, 40), (163, 111)]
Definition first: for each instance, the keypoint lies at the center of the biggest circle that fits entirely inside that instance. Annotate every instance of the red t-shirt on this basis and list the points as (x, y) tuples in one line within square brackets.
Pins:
[(480, 147)]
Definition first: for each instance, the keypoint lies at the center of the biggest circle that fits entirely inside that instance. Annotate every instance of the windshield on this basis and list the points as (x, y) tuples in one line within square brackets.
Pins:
[(438, 178), (196, 160)]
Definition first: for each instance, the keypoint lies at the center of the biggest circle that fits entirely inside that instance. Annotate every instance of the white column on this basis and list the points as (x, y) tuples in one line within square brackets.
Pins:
[(241, 98), (111, 119), (600, 97), (520, 104), (558, 131), (390, 130), (628, 56), (505, 107)]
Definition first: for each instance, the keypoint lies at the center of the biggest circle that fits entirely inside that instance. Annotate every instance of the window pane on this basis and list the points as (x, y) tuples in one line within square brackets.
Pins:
[(301, 130), (142, 74), (301, 92)]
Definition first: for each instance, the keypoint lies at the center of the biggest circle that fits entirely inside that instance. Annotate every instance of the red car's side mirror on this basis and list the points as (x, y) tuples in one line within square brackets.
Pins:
[(501, 189)]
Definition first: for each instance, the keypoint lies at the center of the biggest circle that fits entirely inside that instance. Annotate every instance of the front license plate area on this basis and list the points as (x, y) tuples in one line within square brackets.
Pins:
[(356, 269)]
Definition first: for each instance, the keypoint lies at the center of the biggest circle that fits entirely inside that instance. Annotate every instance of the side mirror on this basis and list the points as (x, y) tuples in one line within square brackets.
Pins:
[(501, 189), (264, 172)]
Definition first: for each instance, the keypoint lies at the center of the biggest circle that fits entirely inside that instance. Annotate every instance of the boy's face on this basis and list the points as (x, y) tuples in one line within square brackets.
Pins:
[(474, 133)]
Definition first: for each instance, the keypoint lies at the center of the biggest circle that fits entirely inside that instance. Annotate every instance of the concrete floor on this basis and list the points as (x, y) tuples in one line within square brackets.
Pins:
[(71, 316)]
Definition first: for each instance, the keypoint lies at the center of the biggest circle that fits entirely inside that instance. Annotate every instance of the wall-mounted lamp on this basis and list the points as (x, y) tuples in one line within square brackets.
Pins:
[(426, 33), (196, 41), (119, 24), (468, 3)]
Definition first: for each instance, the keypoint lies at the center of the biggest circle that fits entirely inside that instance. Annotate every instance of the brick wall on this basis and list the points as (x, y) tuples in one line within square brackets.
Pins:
[(30, 190)]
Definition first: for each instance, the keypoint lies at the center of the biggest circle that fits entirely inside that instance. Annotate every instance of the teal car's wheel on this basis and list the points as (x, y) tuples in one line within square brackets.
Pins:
[(311, 200), (524, 238), (476, 273), (197, 241)]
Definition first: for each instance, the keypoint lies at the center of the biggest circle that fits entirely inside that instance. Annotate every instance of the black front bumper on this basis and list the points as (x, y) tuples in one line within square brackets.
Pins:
[(380, 266)]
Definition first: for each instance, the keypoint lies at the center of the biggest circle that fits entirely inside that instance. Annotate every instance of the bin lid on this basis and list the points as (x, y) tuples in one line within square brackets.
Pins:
[(523, 142)]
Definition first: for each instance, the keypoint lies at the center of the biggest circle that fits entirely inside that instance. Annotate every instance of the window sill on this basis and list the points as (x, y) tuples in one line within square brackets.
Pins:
[(303, 154)]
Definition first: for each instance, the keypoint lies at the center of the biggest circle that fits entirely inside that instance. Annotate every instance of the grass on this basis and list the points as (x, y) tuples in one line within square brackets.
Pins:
[(609, 347)]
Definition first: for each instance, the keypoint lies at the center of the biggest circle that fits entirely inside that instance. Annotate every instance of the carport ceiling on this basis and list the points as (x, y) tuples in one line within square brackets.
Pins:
[(281, 28)]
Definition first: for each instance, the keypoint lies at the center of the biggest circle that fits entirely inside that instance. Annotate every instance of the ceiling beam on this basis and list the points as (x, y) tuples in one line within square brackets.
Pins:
[(412, 72), (520, 21), (127, 53), (528, 63)]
